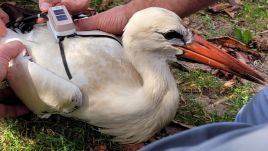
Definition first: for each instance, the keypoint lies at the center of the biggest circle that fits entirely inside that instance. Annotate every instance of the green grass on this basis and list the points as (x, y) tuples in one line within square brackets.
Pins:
[(118, 2), (192, 112), (57, 133), (253, 16), (95, 4), (198, 80), (30, 133), (24, 4), (195, 84)]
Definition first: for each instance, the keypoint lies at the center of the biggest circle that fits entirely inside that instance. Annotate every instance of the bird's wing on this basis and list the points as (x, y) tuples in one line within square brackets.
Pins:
[(41, 90)]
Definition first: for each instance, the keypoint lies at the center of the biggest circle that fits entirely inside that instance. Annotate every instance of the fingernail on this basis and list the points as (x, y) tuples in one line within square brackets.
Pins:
[(44, 7)]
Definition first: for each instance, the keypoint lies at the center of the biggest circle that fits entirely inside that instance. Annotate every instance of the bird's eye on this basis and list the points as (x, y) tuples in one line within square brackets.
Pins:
[(172, 34)]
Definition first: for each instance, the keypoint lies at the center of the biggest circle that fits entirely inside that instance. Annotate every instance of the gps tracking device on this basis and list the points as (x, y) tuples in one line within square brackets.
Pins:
[(60, 22)]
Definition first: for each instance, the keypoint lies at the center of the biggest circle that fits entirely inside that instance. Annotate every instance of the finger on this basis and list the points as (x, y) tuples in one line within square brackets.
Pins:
[(4, 16), (75, 5), (45, 4), (5, 93), (3, 30), (12, 111), (40, 20)]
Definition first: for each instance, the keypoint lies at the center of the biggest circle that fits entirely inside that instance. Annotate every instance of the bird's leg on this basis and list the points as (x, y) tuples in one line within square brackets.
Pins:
[(40, 89)]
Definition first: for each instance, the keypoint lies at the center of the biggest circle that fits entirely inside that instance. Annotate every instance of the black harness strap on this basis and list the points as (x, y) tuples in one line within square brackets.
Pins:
[(95, 36), (62, 52), (63, 57)]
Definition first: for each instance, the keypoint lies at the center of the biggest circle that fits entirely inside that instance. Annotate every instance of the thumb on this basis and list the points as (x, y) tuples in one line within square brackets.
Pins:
[(44, 6), (8, 51), (90, 23)]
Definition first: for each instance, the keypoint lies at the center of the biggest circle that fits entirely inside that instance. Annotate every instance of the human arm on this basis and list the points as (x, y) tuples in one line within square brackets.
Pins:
[(181, 7), (115, 19)]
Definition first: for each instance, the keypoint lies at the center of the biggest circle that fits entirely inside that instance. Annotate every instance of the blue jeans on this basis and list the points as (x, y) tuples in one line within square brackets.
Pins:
[(256, 111), (249, 132)]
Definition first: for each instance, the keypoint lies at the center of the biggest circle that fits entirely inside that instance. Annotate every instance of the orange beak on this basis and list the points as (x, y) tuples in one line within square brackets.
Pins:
[(205, 52)]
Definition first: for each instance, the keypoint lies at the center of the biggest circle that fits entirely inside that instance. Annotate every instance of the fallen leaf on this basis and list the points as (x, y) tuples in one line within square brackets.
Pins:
[(218, 7), (230, 11), (242, 57), (261, 42), (231, 83), (224, 7), (222, 74), (196, 31), (186, 21), (234, 44), (132, 147), (262, 32), (235, 2), (90, 11), (242, 23)]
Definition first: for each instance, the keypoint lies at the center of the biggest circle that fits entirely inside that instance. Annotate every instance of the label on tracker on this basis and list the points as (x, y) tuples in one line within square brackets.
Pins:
[(60, 22)]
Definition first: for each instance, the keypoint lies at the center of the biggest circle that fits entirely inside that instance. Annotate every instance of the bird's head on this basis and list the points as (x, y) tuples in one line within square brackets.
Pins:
[(161, 33)]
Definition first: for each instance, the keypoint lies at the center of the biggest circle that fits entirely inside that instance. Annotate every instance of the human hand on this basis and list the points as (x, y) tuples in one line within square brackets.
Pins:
[(72, 6), (9, 51), (111, 21), (3, 20)]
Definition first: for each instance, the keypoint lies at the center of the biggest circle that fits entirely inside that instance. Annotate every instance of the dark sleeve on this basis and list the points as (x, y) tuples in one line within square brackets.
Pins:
[(215, 137)]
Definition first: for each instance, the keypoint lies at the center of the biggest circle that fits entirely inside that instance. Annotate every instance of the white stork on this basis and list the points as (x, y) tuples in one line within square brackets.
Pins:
[(128, 91)]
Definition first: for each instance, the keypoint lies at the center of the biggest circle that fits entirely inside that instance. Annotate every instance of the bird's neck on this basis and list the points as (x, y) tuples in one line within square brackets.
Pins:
[(157, 78), (160, 91)]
